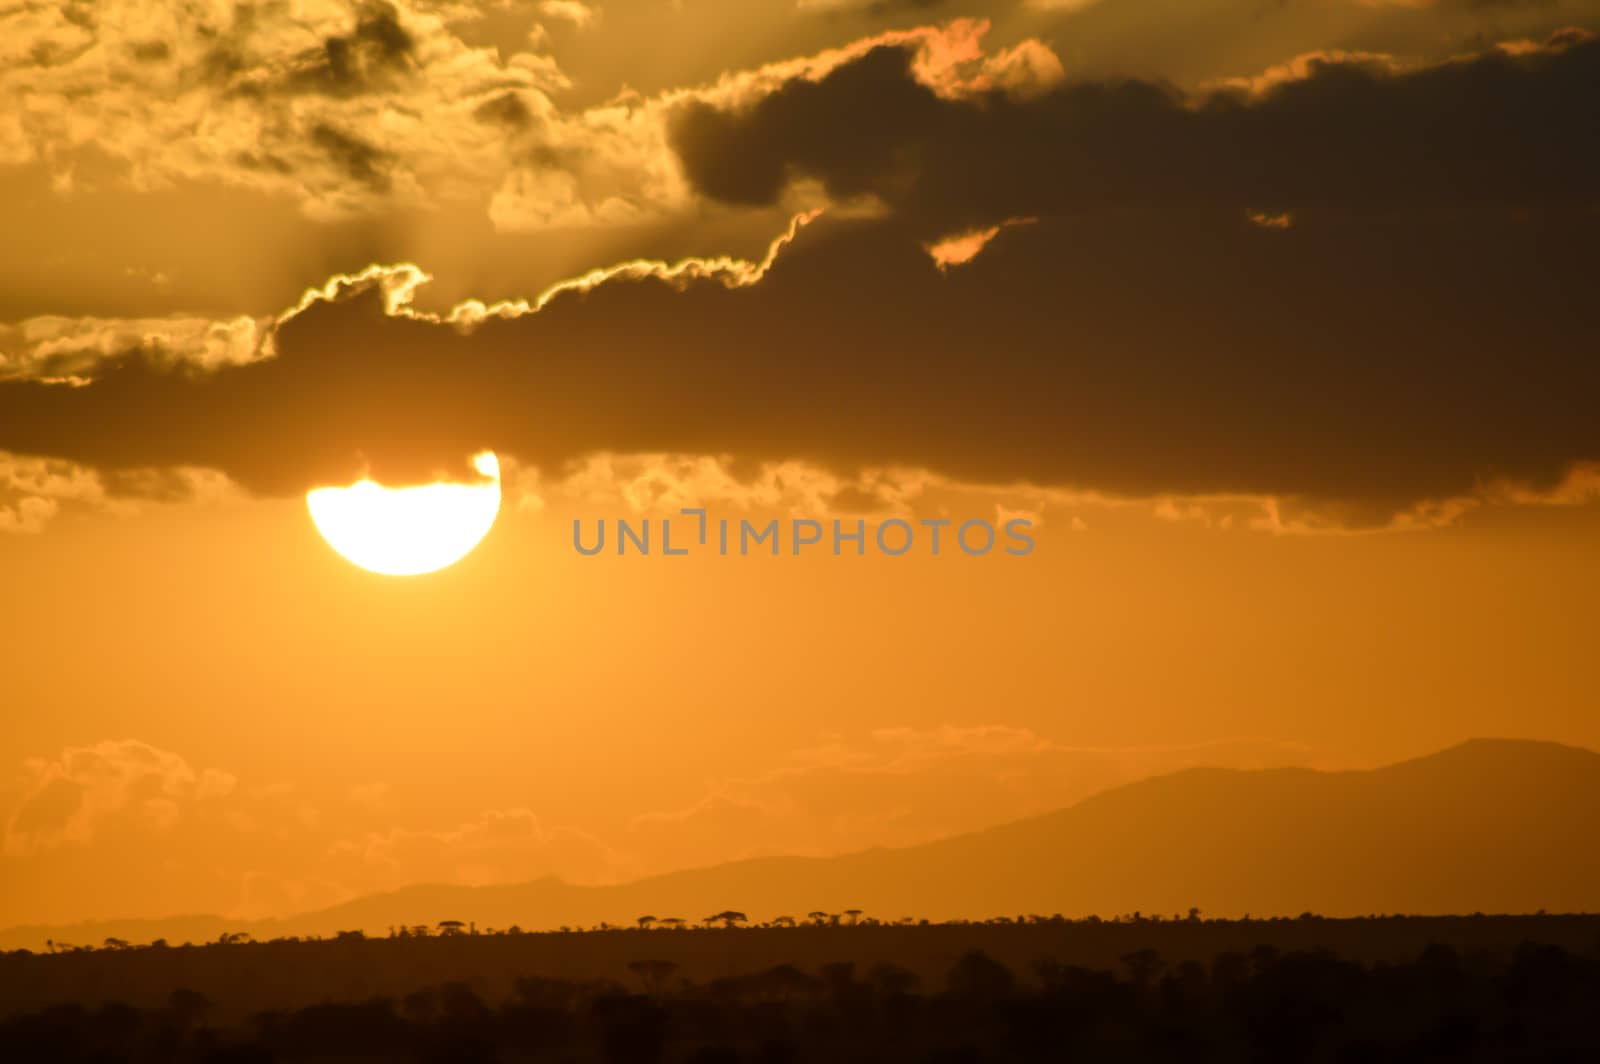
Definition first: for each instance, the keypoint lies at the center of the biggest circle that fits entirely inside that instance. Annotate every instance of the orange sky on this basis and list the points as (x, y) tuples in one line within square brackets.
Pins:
[(319, 730), (1303, 418)]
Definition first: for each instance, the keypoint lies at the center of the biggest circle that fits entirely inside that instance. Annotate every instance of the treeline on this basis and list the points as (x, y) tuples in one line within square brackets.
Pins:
[(1533, 1002), (247, 977)]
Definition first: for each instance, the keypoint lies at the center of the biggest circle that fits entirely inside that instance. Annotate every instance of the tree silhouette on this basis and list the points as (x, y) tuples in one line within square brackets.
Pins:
[(891, 980), (1143, 966), (977, 975), (632, 1028), (303, 999), (653, 973), (188, 1007), (840, 979), (645, 922)]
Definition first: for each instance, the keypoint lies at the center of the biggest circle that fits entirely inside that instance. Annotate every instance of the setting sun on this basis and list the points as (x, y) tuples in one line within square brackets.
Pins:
[(412, 530)]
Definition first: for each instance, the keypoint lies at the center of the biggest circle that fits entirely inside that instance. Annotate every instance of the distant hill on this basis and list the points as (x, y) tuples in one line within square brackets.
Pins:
[(1489, 826)]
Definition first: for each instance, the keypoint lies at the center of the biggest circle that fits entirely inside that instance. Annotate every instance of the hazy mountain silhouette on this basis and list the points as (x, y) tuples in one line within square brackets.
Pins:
[(1488, 826)]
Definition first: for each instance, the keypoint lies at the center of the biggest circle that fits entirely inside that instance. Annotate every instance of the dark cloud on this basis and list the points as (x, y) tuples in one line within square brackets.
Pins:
[(1187, 41), (357, 159), (886, 7), (151, 51), (370, 56), (1497, 5), (1360, 289), (1367, 361), (1494, 129), (508, 108), (376, 48)]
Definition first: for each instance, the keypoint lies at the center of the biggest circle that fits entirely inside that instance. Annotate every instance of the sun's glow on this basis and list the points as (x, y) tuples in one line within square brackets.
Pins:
[(407, 531)]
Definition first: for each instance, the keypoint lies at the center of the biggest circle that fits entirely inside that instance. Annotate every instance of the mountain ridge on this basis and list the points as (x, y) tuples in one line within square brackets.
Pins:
[(1422, 835)]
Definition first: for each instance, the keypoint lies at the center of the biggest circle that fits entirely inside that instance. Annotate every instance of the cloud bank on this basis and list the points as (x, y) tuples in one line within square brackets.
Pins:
[(1352, 287)]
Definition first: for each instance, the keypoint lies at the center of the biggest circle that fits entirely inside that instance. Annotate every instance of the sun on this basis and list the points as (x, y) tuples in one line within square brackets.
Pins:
[(408, 531)]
